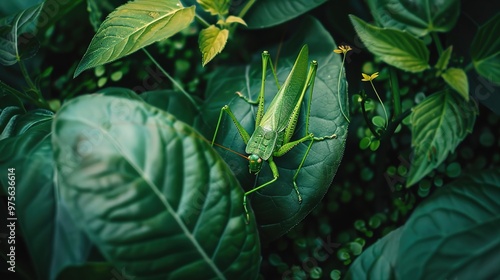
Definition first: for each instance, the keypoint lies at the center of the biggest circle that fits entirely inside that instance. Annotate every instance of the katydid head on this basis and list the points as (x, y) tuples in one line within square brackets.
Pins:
[(254, 163)]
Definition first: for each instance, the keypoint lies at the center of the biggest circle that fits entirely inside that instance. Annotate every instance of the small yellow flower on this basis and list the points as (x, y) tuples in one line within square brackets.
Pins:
[(342, 49), (367, 78)]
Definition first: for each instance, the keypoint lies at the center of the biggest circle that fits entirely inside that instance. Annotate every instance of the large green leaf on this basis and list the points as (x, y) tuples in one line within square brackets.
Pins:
[(485, 50), (438, 125), (417, 17), (379, 260), (15, 42), (276, 207), (133, 26), (451, 235), (273, 12), (397, 48), (52, 240), (154, 197), (454, 234)]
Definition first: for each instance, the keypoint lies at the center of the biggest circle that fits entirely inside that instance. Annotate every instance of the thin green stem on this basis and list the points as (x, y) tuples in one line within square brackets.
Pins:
[(381, 103), (23, 96), (27, 77), (436, 40), (367, 120), (245, 9), (338, 90), (176, 84), (395, 92), (202, 21)]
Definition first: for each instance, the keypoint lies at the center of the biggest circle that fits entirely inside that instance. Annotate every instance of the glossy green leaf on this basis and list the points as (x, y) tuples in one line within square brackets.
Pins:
[(454, 233), (16, 39), (418, 17), (485, 50), (276, 207), (215, 7), (443, 60), (94, 271), (212, 41), (397, 48), (173, 102), (52, 240), (273, 12), (133, 26), (457, 80), (379, 260), (438, 125), (154, 197)]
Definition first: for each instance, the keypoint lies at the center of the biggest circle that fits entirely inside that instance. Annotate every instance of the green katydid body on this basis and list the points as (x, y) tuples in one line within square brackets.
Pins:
[(275, 128)]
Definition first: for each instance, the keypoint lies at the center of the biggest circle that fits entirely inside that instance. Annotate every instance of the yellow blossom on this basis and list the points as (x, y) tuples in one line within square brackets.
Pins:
[(368, 78), (342, 49)]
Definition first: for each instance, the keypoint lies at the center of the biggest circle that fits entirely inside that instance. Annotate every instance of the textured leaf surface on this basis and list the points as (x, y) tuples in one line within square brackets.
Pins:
[(276, 206), (51, 240), (11, 41), (273, 12), (417, 17), (485, 50), (457, 80), (454, 234), (212, 41), (438, 125), (152, 195), (133, 26), (397, 48), (379, 260)]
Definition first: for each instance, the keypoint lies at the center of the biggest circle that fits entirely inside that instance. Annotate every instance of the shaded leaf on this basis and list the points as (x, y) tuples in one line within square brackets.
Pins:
[(16, 35), (212, 41), (133, 26), (149, 193), (417, 17), (276, 206), (454, 233), (273, 12), (443, 60), (457, 80), (438, 125), (485, 50), (397, 48)]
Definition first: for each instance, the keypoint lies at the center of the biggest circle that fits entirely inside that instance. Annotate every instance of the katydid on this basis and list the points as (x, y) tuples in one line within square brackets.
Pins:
[(275, 127)]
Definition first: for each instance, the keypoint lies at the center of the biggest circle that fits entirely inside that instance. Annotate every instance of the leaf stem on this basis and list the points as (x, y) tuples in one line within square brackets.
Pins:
[(245, 9), (202, 21), (176, 84), (395, 92), (436, 40), (23, 96), (27, 77), (367, 120)]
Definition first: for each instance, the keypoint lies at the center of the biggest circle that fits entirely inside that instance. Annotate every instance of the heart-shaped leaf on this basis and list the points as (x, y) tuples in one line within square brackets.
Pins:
[(133, 26), (397, 48), (153, 196), (438, 125), (212, 41), (276, 206), (417, 17)]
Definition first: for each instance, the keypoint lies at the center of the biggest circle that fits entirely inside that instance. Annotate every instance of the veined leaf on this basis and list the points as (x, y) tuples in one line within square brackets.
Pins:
[(418, 17), (454, 233), (485, 50), (151, 194), (457, 80), (273, 12), (215, 7), (13, 45), (438, 125), (133, 26), (443, 60), (397, 48), (212, 41)]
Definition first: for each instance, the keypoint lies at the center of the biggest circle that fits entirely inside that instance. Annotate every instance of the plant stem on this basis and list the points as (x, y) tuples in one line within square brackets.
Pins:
[(202, 21), (338, 90), (27, 77), (395, 92), (245, 9), (381, 103), (176, 84), (436, 40), (23, 96), (367, 120)]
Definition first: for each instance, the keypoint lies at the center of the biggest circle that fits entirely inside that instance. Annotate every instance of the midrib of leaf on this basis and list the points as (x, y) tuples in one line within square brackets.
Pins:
[(155, 189)]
